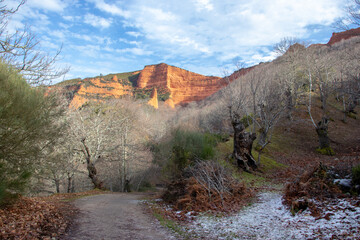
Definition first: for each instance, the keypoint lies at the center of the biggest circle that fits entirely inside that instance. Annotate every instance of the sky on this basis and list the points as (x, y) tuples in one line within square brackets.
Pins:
[(203, 36)]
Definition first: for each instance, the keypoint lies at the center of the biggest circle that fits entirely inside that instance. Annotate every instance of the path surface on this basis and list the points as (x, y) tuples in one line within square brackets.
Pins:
[(115, 216)]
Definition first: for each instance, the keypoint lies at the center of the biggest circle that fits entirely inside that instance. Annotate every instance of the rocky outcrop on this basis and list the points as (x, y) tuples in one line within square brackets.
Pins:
[(184, 86), (154, 99), (98, 89), (170, 103), (337, 37)]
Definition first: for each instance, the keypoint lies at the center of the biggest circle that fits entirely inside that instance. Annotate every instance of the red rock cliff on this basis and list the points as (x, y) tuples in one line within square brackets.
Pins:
[(337, 37), (96, 89), (184, 86)]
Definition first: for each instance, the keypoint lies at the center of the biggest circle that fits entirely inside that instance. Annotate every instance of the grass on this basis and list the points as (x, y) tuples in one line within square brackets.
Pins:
[(224, 149), (267, 163), (68, 82), (171, 224), (127, 78)]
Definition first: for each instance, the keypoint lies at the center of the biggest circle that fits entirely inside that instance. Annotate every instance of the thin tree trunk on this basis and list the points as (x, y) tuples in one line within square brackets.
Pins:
[(69, 180), (57, 185), (289, 104)]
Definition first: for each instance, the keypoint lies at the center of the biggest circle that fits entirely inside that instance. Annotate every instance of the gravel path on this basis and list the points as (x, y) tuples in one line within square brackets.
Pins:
[(115, 216)]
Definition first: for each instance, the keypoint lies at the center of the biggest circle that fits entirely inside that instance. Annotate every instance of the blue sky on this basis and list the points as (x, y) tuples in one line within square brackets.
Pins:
[(203, 36)]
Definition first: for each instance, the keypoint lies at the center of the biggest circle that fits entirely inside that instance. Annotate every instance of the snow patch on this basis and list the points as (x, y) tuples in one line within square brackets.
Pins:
[(270, 219)]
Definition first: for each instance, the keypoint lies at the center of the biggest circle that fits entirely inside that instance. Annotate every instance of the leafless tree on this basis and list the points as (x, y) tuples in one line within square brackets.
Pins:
[(321, 75), (347, 79), (352, 16), (270, 106), (291, 76), (235, 97), (21, 49), (284, 44)]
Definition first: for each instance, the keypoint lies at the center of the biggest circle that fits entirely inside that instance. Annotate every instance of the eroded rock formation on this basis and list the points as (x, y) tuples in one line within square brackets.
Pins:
[(184, 86), (99, 89), (154, 99)]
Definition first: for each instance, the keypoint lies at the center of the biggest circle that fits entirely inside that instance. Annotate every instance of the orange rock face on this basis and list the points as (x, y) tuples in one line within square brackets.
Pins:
[(176, 85), (98, 89), (184, 86), (154, 99), (337, 37), (170, 103)]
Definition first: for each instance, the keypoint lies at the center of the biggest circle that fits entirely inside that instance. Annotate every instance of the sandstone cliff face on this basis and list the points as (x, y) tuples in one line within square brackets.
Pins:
[(337, 37), (98, 89), (171, 84), (184, 86)]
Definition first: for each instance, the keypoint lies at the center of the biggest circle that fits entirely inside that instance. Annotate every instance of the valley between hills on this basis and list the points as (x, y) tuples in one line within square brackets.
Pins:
[(269, 152)]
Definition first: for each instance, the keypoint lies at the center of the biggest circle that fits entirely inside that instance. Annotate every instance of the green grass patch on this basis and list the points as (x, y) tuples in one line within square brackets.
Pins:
[(171, 224), (280, 143), (68, 82), (253, 180), (326, 151), (267, 163)]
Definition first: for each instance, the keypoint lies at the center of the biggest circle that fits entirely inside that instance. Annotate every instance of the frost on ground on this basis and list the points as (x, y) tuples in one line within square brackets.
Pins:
[(270, 219)]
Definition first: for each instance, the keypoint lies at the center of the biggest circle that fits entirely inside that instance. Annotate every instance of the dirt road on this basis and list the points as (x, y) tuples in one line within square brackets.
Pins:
[(115, 216)]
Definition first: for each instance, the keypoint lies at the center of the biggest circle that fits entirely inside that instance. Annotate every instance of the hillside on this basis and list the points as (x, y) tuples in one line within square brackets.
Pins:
[(174, 85)]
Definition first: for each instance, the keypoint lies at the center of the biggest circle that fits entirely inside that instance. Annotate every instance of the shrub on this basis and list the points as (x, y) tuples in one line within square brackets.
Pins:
[(207, 185), (356, 175), (182, 148), (27, 119)]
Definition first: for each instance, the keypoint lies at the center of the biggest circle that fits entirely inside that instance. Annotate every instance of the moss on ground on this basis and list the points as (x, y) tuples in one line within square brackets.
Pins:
[(326, 151)]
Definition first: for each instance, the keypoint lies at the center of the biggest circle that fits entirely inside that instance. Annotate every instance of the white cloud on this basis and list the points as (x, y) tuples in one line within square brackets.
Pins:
[(97, 21), (49, 5), (204, 5), (224, 28), (71, 18), (110, 8), (58, 34), (136, 51), (134, 34)]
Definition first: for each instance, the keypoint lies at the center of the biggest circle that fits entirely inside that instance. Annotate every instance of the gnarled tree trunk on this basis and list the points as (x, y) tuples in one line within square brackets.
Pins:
[(243, 142), (91, 167), (322, 132)]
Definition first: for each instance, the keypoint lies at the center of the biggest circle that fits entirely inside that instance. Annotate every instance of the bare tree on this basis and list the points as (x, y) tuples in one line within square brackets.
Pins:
[(235, 98), (90, 129), (270, 107), (321, 75), (347, 79), (290, 74), (285, 43), (352, 16), (20, 49)]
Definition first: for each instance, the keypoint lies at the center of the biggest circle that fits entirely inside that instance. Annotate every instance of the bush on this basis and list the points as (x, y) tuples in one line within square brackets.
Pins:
[(356, 175), (316, 184), (207, 186), (182, 148)]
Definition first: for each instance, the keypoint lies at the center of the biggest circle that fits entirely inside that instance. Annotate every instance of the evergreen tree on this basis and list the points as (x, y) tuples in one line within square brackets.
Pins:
[(27, 128)]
